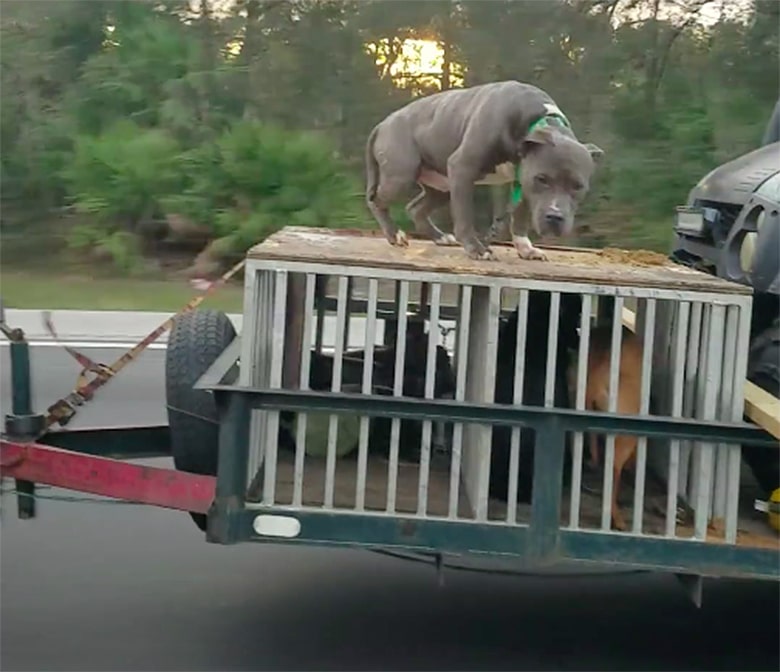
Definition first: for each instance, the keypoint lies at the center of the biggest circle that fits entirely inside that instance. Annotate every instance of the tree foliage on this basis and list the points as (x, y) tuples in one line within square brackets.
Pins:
[(242, 116)]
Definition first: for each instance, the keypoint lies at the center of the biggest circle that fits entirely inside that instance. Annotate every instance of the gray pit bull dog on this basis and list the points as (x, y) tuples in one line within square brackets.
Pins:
[(449, 142)]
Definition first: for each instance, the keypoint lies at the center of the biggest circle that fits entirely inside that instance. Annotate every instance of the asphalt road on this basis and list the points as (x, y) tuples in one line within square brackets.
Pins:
[(89, 586)]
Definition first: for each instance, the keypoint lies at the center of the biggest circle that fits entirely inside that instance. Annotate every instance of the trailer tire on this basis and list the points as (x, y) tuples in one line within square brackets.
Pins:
[(764, 371), (196, 340)]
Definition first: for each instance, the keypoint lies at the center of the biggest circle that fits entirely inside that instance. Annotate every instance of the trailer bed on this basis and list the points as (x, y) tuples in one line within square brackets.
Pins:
[(753, 530)]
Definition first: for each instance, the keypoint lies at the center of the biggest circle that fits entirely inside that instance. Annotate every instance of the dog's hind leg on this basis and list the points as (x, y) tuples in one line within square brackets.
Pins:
[(420, 209), (379, 205), (393, 163), (625, 446)]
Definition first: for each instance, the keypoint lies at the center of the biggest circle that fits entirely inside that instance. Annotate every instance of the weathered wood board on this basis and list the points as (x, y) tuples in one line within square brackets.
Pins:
[(368, 249)]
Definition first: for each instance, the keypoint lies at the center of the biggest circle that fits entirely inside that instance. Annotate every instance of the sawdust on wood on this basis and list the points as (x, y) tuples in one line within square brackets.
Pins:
[(634, 257)]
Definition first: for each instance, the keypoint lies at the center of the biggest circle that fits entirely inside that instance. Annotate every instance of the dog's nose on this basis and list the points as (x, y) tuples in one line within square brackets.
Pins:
[(554, 220)]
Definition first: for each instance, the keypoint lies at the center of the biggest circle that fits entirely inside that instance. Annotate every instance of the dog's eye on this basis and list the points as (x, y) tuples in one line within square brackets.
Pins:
[(543, 180), (577, 186)]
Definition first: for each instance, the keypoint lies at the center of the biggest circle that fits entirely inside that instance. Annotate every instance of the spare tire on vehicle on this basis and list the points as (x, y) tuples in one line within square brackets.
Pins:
[(196, 340)]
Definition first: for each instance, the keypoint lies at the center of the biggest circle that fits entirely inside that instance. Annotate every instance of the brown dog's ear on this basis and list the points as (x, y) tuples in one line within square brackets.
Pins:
[(596, 153), (540, 136)]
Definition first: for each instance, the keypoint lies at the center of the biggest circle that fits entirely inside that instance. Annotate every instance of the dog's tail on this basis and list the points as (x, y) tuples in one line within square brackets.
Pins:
[(372, 167)]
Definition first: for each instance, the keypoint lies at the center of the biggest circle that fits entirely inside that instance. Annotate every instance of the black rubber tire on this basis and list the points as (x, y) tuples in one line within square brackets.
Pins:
[(764, 371), (196, 340)]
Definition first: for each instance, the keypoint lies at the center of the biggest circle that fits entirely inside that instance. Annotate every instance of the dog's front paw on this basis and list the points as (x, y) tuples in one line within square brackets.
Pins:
[(526, 250), (400, 240), (619, 523), (446, 240), (480, 253)]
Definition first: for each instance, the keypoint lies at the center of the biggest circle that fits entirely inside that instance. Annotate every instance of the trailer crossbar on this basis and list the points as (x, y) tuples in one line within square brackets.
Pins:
[(166, 488)]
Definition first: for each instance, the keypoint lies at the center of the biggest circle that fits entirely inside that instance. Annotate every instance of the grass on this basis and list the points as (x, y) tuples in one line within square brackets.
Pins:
[(32, 290)]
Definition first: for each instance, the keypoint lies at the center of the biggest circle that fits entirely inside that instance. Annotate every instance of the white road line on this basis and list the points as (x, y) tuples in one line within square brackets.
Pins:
[(96, 345)]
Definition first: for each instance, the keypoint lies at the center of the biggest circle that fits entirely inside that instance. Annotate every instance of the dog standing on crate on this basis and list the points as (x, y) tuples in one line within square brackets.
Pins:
[(500, 133), (629, 391)]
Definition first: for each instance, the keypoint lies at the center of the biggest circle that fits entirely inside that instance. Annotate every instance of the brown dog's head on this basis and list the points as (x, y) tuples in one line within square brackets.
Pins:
[(555, 175)]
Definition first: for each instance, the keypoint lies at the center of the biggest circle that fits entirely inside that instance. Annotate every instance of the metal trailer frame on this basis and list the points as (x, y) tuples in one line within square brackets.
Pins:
[(93, 460)]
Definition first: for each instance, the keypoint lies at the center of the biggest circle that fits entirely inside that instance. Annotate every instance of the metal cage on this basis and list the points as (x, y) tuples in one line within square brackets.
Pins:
[(413, 397)]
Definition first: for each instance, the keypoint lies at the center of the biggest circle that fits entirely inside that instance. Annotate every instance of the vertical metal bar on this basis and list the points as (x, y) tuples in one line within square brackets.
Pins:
[(714, 345), (392, 323), (548, 484), (254, 353), (249, 327), (430, 379), (699, 384), (21, 405), (278, 333), (246, 372), (232, 475), (321, 292), (582, 381), (425, 288), (679, 358), (333, 420), (302, 418), (740, 357), (552, 349), (398, 389), (348, 312), (517, 398), (368, 370), (689, 390), (461, 365), (644, 409), (488, 391), (724, 412), (614, 377)]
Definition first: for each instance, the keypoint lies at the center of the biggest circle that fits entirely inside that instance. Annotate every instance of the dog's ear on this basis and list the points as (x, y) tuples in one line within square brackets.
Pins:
[(596, 153), (537, 138)]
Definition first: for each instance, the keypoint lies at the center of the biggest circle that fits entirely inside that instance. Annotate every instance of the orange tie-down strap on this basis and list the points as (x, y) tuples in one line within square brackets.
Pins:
[(63, 410), (167, 488)]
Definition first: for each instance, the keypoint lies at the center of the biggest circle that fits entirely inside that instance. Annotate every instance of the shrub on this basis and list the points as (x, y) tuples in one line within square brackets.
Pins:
[(122, 174), (257, 178)]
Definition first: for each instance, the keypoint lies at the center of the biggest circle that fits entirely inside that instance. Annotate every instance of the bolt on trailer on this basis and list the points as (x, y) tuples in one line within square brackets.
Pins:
[(416, 401)]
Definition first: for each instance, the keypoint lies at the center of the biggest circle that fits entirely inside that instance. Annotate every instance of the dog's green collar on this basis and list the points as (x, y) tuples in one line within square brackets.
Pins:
[(554, 119)]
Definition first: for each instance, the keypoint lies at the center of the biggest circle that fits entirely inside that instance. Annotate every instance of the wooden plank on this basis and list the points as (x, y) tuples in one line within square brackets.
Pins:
[(369, 249), (762, 408)]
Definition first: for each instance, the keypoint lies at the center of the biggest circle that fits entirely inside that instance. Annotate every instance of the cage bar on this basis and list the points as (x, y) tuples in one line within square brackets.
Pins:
[(738, 404), (648, 317), (721, 502), (338, 362), (517, 397), (579, 404), (679, 352), (368, 370), (552, 348), (398, 382), (614, 378), (461, 364), (430, 377), (305, 372), (278, 333)]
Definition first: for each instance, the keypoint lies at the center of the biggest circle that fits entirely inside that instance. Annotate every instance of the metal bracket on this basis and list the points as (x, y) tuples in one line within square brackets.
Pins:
[(217, 372), (694, 586), (22, 427)]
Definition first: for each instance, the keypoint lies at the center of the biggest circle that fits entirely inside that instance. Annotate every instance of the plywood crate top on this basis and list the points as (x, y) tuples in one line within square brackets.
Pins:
[(369, 249)]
